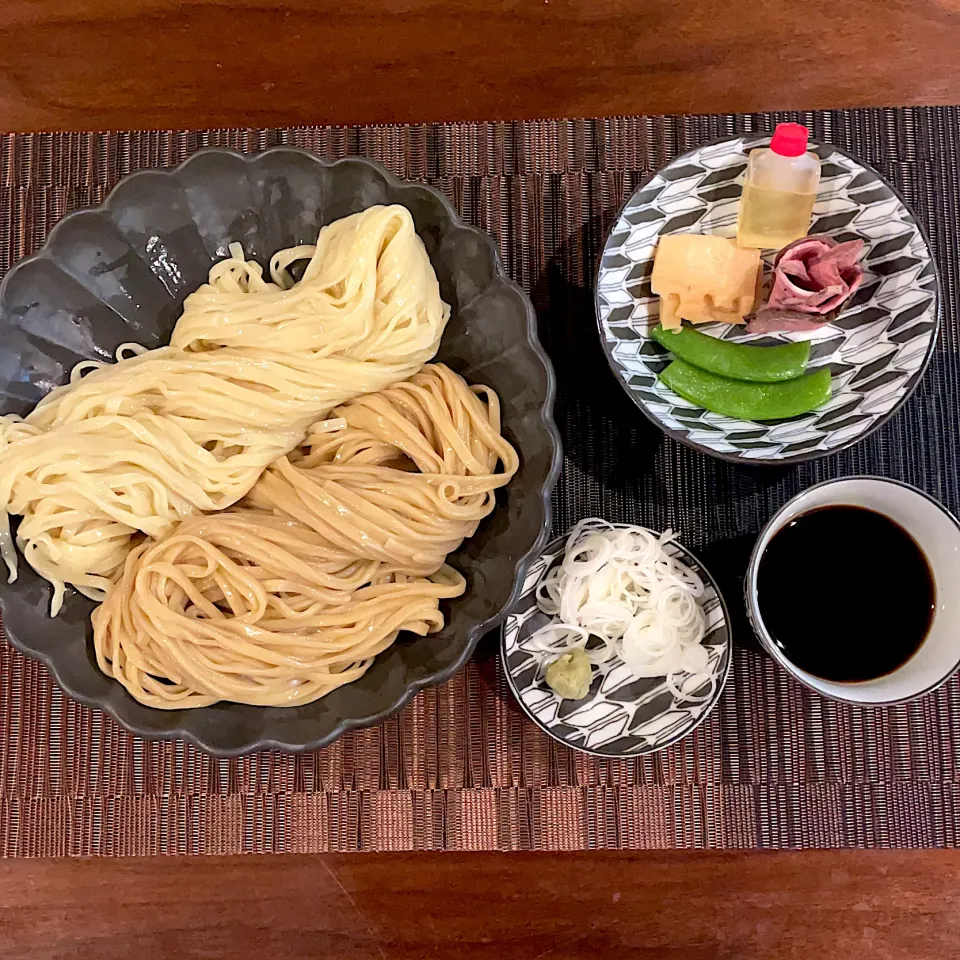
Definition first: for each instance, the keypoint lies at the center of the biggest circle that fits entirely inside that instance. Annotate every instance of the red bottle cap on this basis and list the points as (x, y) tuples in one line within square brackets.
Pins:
[(790, 139)]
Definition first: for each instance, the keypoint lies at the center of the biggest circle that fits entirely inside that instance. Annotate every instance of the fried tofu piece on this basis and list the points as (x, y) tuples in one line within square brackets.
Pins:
[(704, 279)]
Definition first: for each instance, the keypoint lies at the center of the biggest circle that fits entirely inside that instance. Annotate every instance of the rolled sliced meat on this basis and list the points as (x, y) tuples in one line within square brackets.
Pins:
[(780, 320), (812, 277)]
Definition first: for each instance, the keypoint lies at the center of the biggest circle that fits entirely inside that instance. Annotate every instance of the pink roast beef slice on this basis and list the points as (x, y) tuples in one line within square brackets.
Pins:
[(798, 270), (766, 320), (806, 248), (812, 276), (847, 255), (839, 266)]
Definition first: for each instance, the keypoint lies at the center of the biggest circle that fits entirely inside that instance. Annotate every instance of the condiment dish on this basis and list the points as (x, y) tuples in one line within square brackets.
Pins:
[(937, 533), (622, 715)]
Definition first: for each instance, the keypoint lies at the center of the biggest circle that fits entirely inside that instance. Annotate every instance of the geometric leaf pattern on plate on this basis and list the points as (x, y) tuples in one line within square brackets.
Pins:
[(622, 715), (877, 348)]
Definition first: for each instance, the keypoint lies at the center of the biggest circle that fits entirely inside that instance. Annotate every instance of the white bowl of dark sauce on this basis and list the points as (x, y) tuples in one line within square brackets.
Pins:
[(853, 588)]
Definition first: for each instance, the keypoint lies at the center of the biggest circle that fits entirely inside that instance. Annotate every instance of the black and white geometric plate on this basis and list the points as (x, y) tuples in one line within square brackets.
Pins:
[(621, 716), (877, 349)]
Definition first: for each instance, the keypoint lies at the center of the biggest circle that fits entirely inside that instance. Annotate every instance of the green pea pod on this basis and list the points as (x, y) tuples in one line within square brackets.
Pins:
[(748, 401), (738, 361)]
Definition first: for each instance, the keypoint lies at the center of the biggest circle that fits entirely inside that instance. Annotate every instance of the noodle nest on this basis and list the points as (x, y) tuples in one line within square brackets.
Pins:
[(262, 506), (131, 448), (336, 549)]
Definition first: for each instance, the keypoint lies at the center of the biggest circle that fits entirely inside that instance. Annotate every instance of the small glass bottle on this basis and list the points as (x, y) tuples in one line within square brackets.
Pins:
[(779, 190)]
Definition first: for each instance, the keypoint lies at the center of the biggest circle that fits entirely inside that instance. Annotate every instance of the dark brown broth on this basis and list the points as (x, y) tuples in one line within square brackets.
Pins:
[(846, 593)]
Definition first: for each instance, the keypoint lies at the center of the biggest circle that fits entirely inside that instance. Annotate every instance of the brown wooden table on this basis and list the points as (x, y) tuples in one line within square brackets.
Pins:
[(668, 906), (90, 64), (95, 64)]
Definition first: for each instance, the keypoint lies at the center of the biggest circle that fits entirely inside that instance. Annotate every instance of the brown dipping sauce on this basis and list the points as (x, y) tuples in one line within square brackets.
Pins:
[(845, 593)]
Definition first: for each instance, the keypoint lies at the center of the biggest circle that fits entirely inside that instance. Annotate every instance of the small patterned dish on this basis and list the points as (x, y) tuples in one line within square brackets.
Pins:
[(621, 716), (877, 348)]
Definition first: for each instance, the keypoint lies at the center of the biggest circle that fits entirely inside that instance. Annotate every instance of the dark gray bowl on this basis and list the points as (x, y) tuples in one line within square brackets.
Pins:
[(120, 273)]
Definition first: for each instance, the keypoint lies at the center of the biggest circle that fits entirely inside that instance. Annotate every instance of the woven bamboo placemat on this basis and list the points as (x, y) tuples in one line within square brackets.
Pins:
[(460, 767)]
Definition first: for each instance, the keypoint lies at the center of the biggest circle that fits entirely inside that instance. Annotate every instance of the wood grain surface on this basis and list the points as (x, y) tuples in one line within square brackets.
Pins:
[(671, 906), (104, 64), (95, 64)]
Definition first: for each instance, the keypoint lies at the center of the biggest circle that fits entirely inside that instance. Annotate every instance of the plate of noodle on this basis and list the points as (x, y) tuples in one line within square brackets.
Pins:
[(277, 448)]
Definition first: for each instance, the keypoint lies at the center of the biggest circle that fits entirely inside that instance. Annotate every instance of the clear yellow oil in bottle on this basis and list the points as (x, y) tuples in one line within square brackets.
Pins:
[(770, 219)]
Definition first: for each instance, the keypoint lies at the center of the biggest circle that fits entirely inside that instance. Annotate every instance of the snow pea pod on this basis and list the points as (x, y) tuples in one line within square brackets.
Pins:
[(748, 401), (738, 361)]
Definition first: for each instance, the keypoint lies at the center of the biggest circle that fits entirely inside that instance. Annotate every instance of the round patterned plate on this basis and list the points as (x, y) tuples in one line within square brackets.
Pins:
[(621, 716), (877, 348)]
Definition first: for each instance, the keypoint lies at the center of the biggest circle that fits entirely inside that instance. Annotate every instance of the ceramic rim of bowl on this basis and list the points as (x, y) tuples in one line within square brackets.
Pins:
[(751, 597)]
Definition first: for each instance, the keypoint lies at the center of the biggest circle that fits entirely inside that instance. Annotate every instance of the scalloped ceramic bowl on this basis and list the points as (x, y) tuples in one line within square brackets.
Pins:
[(120, 273)]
